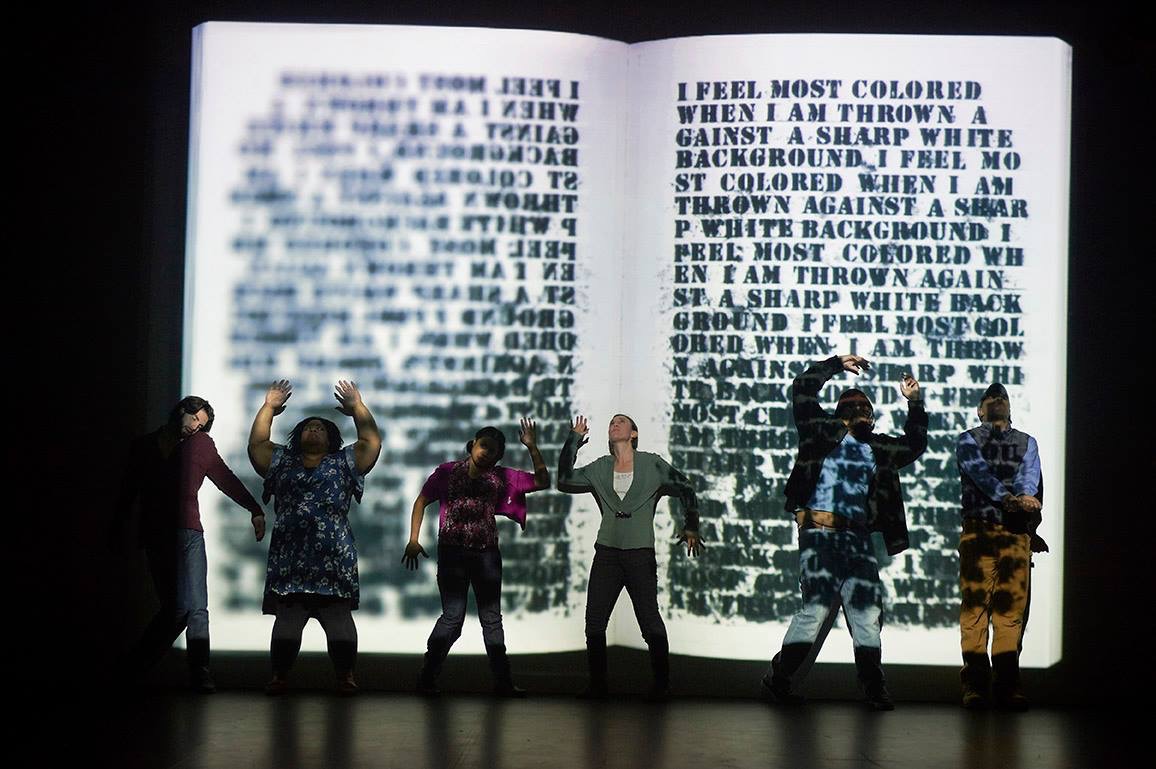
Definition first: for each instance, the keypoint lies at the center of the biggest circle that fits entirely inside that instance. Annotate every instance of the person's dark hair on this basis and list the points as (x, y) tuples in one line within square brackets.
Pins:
[(848, 400), (330, 430), (633, 441), (191, 405), (494, 434)]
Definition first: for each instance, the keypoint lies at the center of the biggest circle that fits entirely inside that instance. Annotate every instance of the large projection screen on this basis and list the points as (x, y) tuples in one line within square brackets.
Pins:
[(477, 225)]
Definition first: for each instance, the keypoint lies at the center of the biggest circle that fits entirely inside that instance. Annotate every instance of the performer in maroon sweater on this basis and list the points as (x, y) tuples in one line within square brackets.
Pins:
[(164, 472)]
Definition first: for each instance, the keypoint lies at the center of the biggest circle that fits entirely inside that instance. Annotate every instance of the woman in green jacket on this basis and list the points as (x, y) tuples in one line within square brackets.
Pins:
[(627, 485)]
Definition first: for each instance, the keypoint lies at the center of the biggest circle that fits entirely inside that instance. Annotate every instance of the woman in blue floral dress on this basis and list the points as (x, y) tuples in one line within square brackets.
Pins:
[(312, 569)]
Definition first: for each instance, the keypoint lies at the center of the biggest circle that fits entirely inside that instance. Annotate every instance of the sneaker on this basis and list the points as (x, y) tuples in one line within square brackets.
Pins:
[(779, 692), (878, 698)]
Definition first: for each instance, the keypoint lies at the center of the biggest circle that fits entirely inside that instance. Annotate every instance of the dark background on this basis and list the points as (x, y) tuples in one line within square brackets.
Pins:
[(95, 309)]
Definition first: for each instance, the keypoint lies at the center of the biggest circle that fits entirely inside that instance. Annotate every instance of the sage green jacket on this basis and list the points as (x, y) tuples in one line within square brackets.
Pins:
[(627, 523)]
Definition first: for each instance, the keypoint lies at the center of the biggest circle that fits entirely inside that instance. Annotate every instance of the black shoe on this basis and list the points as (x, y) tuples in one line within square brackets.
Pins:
[(346, 686), (1013, 700), (201, 681), (976, 679), (594, 692), (779, 692), (658, 694), (1005, 688), (427, 687), (878, 698), (974, 699), (509, 689), (277, 687)]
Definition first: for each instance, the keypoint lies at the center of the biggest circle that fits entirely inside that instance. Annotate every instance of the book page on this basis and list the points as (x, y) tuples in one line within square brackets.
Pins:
[(798, 197), (431, 213)]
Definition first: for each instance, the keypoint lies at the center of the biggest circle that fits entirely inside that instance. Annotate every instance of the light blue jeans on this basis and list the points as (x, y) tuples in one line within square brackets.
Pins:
[(837, 568), (192, 583), (180, 575)]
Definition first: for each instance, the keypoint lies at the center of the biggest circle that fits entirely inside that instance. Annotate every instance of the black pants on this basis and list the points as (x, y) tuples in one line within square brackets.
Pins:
[(336, 618), (637, 571)]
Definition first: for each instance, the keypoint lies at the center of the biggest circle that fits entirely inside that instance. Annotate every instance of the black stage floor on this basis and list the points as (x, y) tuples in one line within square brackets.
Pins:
[(311, 728)]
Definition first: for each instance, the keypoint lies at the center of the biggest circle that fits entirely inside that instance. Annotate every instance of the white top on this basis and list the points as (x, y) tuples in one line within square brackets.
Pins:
[(622, 483)]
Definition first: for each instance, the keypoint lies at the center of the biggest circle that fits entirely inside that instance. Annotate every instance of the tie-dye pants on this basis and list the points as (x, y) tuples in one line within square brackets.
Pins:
[(994, 587)]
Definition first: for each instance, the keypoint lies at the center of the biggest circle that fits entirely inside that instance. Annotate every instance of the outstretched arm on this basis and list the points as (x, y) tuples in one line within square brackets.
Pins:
[(914, 440), (529, 439), (570, 480), (675, 484), (206, 455), (413, 548), (805, 389), (368, 446), (260, 446)]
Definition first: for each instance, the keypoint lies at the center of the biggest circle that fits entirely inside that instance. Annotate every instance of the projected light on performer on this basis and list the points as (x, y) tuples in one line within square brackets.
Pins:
[(480, 225)]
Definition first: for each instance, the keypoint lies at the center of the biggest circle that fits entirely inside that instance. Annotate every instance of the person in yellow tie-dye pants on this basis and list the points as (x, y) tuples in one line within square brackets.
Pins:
[(1002, 496)]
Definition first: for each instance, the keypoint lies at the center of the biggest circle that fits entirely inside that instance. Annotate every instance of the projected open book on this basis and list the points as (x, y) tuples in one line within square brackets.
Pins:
[(477, 225)]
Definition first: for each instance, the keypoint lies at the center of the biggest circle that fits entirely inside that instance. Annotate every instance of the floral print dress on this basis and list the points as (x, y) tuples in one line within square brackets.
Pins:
[(312, 549)]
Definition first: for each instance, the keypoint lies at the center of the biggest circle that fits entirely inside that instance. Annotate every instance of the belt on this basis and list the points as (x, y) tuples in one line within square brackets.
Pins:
[(980, 526), (821, 519)]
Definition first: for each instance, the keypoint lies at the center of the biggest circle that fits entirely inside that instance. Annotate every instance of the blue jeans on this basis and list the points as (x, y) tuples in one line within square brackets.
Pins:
[(460, 568), (192, 583), (837, 568), (180, 575)]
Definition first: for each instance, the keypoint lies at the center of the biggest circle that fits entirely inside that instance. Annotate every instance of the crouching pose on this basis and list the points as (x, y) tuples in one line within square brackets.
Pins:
[(627, 485), (844, 485), (312, 559), (471, 492)]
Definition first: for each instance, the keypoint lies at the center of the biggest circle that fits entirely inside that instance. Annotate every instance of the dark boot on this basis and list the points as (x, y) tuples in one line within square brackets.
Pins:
[(346, 684), (435, 655), (660, 668), (1005, 686), (976, 679), (343, 655), (597, 662), (776, 685), (197, 657), (500, 667), (283, 653), (869, 666)]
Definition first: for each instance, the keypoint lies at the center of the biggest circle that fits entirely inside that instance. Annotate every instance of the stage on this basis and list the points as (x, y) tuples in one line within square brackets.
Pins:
[(164, 727)]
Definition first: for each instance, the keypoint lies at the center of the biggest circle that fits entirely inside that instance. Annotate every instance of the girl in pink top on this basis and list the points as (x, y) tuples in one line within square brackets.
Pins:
[(470, 493)]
